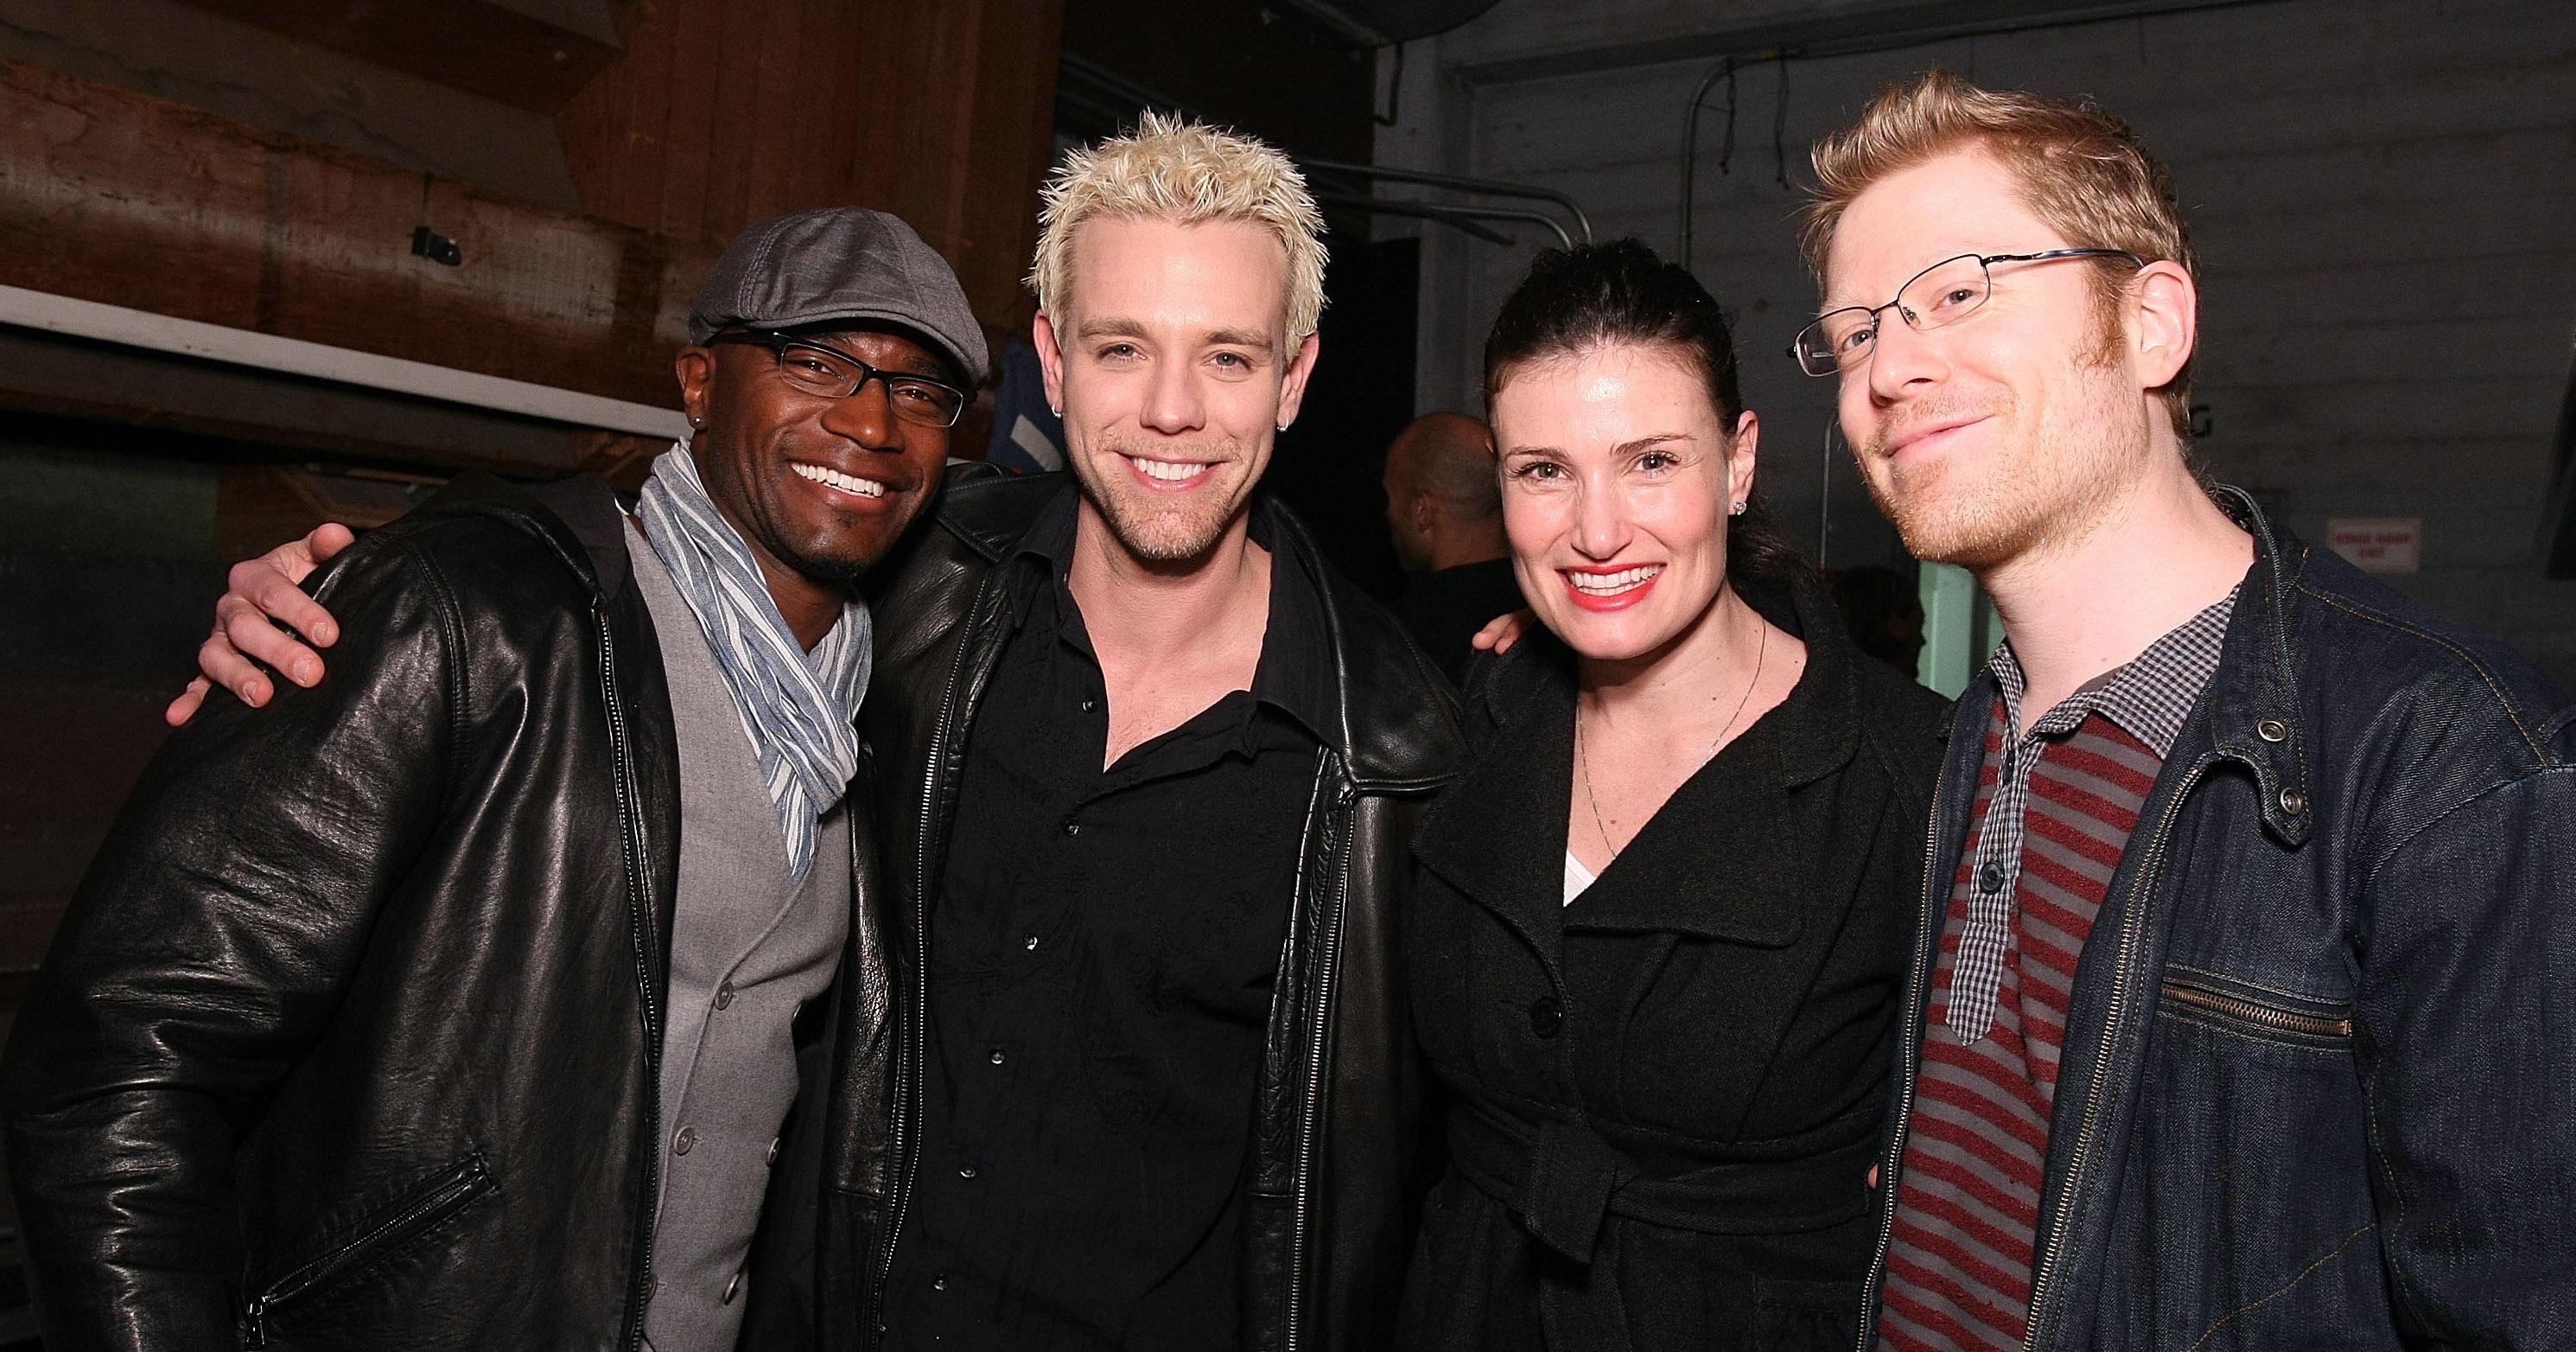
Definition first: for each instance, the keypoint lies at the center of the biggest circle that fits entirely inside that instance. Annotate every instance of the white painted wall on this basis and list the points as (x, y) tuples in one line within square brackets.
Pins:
[(2383, 191)]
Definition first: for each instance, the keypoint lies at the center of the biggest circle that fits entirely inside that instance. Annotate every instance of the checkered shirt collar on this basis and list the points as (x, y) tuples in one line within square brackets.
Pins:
[(2149, 696)]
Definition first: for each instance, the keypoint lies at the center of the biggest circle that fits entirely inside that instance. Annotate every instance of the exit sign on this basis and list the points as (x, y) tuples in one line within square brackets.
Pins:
[(2379, 544)]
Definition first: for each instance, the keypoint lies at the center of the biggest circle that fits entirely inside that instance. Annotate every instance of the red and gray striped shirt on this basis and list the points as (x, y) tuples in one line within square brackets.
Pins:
[(2054, 810)]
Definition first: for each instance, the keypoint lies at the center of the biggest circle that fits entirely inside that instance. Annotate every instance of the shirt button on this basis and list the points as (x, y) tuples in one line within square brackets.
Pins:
[(724, 995), (1089, 705), (996, 1057), (682, 1142), (733, 1287), (1546, 1016), (967, 1172), (1991, 877)]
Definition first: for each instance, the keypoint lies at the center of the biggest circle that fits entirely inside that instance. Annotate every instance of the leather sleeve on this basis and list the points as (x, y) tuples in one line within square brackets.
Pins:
[(2466, 1026), (204, 953), (1370, 1198)]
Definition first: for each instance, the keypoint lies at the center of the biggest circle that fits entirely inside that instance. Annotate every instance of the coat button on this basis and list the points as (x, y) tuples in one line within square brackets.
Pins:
[(2272, 730), (996, 1057), (772, 1156), (1546, 1016), (966, 1172), (1030, 943), (733, 1288), (724, 995), (1072, 827), (939, 1283), (2293, 802), (684, 1141)]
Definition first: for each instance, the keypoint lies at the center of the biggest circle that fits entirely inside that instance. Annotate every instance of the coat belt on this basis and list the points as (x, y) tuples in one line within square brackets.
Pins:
[(1564, 1175)]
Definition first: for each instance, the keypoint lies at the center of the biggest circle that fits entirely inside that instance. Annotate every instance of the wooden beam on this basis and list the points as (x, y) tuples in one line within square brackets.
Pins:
[(238, 411), (111, 196), (499, 51)]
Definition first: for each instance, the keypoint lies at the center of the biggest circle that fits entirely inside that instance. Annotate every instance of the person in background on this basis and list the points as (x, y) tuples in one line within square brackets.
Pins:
[(1445, 513), (2244, 1011), (1884, 612), (1658, 930), (452, 1000)]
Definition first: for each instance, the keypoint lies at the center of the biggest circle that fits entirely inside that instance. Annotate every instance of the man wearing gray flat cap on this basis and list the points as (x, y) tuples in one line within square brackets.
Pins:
[(457, 998)]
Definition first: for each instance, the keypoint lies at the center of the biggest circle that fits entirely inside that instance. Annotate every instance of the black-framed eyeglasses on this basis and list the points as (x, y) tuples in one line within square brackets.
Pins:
[(834, 374), (1944, 293)]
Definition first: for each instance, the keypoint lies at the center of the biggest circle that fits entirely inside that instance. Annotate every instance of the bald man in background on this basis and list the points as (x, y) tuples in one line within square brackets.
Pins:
[(1445, 509)]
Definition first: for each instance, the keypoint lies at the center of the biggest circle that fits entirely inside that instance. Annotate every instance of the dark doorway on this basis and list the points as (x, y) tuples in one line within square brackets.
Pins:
[(1330, 465)]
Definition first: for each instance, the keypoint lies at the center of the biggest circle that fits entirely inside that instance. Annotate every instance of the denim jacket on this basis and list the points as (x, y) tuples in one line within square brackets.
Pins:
[(2319, 1087)]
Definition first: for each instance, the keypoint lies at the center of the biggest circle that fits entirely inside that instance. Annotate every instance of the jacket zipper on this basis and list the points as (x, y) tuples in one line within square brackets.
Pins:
[(435, 1204), (2131, 930), (639, 914), (1328, 957), (2260, 1015), (907, 1105), (1911, 1053)]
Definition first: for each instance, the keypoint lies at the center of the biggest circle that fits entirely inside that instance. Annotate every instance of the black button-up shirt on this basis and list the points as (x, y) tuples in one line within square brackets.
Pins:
[(1102, 951)]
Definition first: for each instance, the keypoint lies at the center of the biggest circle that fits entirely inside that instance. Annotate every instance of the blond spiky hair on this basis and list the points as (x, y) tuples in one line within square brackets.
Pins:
[(1177, 170)]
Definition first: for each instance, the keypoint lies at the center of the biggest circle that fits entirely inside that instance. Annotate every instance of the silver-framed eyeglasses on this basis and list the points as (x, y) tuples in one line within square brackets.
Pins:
[(1944, 293), (834, 374)]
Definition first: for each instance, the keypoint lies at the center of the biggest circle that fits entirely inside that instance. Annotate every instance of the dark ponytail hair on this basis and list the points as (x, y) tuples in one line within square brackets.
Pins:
[(1600, 295)]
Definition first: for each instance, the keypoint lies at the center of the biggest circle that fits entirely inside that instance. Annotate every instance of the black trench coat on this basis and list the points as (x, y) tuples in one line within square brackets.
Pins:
[(1664, 1099)]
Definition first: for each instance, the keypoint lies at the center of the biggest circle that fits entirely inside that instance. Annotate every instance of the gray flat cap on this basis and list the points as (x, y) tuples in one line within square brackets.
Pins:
[(840, 263)]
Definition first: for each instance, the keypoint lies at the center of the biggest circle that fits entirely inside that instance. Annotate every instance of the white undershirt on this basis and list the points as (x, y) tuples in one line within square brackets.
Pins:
[(1577, 877)]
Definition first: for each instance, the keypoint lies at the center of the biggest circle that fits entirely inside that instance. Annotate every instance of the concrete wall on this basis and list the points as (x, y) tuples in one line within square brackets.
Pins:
[(2384, 193)]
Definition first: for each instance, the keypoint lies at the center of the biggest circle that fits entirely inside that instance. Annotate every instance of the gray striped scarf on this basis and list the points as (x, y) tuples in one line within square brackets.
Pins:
[(801, 709)]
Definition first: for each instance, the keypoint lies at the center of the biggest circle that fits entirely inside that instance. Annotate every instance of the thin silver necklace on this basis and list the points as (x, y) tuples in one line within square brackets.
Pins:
[(1761, 648)]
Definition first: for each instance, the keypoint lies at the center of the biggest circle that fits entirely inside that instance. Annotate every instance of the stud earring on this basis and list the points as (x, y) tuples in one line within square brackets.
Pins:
[(1736, 510)]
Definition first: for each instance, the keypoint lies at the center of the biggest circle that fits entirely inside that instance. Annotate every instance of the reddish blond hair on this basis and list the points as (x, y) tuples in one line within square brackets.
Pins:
[(2080, 169)]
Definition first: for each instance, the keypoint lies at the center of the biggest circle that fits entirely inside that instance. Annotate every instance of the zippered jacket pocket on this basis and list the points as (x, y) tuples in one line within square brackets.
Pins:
[(2276, 1016), (411, 1215)]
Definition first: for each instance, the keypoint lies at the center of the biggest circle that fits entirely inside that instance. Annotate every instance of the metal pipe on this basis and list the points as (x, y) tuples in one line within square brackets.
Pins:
[(1457, 217), (1461, 183), (1110, 81), (1460, 217), (1784, 51)]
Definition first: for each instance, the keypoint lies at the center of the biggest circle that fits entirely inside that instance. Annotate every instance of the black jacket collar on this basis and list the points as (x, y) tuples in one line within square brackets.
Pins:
[(578, 517), (1395, 731), (1294, 675), (2248, 713), (1499, 834)]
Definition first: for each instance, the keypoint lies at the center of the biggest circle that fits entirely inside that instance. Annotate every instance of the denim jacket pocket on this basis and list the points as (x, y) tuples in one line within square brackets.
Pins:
[(2238, 1007)]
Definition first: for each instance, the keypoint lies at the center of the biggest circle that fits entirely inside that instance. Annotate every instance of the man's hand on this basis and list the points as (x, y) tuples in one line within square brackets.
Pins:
[(265, 589), (1499, 633)]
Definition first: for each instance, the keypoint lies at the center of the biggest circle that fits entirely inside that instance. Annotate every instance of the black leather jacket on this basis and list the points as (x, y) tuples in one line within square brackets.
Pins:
[(1336, 1144), (350, 1038)]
